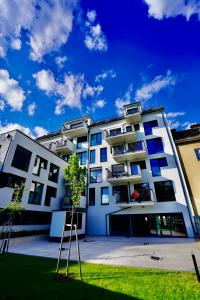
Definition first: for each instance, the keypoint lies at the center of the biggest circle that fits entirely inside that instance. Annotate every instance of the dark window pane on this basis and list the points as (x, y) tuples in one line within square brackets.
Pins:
[(156, 164), (96, 139), (164, 191), (80, 141), (35, 195), (96, 175), (104, 195), (40, 163), (92, 156), (21, 159), (76, 125), (50, 192), (115, 131), (149, 125), (137, 127), (53, 173), (128, 128), (197, 152), (134, 169), (92, 196), (132, 111), (155, 146), (82, 157), (103, 154), (142, 164)]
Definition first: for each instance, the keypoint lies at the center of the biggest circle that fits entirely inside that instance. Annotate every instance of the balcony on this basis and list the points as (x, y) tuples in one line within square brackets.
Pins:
[(64, 147), (135, 151), (119, 136), (120, 177), (133, 115), (145, 199), (75, 129)]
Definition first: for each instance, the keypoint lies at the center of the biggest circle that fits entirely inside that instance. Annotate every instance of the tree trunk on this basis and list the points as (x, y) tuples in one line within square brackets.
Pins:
[(70, 241)]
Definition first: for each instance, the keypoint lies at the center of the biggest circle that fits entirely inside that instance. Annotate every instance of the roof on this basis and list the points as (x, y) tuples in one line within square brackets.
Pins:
[(188, 135)]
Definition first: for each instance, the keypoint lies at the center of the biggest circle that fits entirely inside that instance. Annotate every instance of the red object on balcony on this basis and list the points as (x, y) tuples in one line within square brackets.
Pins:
[(135, 195)]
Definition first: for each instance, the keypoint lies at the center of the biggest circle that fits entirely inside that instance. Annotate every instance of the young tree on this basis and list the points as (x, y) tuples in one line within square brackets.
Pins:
[(75, 175)]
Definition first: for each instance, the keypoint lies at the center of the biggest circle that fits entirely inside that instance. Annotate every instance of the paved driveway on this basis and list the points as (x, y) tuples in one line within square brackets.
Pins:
[(162, 253)]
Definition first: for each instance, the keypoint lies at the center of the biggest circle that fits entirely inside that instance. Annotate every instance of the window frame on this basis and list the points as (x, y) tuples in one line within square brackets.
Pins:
[(173, 197), (91, 202), (149, 131), (96, 176), (154, 139), (15, 160), (103, 188), (106, 154), (93, 156), (159, 166), (95, 142), (34, 192)]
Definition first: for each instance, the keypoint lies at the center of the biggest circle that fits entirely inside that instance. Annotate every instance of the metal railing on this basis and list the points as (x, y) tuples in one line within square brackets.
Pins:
[(116, 133), (145, 195), (123, 173), (132, 148)]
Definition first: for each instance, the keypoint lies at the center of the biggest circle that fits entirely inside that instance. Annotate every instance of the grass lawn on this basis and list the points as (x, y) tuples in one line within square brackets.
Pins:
[(33, 278)]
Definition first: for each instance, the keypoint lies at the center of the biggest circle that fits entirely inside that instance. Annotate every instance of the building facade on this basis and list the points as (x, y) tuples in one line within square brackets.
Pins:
[(188, 147), (25, 161), (135, 186)]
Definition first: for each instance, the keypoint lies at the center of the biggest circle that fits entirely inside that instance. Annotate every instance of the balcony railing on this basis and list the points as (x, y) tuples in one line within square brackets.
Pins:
[(145, 197), (135, 171), (116, 133), (132, 148)]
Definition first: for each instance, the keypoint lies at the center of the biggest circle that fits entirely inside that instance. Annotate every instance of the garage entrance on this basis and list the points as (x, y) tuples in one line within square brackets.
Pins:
[(160, 225)]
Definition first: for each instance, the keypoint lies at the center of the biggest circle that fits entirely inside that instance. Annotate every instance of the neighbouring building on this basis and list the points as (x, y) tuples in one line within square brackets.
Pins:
[(24, 160), (188, 148), (135, 185)]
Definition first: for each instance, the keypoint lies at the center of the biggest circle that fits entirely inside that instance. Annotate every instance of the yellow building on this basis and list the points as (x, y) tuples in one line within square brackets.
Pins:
[(188, 147)]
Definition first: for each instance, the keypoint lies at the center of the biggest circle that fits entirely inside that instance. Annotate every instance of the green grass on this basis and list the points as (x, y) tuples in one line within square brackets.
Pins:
[(33, 278)]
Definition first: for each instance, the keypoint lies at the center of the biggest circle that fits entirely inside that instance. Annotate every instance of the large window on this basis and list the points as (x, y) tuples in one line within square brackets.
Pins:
[(115, 131), (92, 156), (35, 195), (81, 141), (103, 154), (104, 196), (21, 159), (96, 139), (157, 164), (148, 126), (95, 175), (40, 163), (50, 192), (92, 196), (53, 173), (134, 169), (82, 157), (155, 146), (142, 164), (132, 111), (164, 191)]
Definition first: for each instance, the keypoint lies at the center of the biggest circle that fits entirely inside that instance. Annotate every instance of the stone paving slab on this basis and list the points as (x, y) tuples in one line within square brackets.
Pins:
[(161, 253)]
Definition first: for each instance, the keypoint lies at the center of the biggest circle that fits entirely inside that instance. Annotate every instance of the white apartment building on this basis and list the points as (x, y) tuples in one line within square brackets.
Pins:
[(24, 160), (135, 185)]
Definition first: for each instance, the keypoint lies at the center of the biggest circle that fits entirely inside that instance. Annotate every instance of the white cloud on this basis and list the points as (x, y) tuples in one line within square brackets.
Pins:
[(158, 83), (10, 91), (16, 44), (31, 109), (98, 104), (60, 61), (2, 105), (105, 74), (37, 131), (69, 91), (160, 9), (45, 81), (175, 114), (47, 23), (91, 91), (126, 99), (95, 40)]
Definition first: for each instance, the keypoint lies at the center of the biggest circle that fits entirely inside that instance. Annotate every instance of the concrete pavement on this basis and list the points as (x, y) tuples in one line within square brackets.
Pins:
[(161, 253)]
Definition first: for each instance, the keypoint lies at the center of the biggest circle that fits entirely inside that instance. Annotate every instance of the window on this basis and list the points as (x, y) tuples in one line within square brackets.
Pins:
[(103, 154), (137, 127), (117, 150), (197, 151), (76, 125), (134, 169), (118, 170), (96, 139), (82, 157), (155, 146), (40, 163), (96, 175), (35, 195), (53, 173), (128, 128), (66, 157), (149, 125), (80, 141), (132, 111), (144, 191), (104, 196), (92, 196), (92, 156), (142, 164), (50, 192), (164, 191), (137, 146), (115, 131), (156, 164), (21, 159)]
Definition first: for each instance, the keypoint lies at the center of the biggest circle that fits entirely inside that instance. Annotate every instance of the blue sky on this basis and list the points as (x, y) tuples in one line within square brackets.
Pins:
[(60, 59)]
